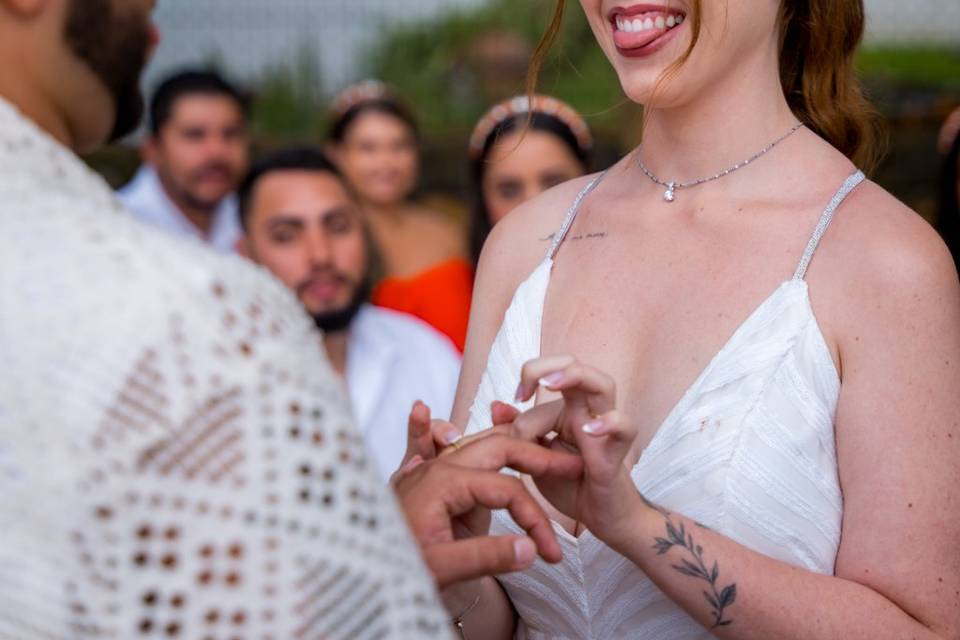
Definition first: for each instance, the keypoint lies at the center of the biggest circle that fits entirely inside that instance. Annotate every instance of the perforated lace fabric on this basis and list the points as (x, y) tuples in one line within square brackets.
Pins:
[(177, 459), (749, 451)]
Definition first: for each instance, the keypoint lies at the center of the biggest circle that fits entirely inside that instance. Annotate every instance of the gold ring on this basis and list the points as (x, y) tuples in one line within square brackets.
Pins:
[(457, 444)]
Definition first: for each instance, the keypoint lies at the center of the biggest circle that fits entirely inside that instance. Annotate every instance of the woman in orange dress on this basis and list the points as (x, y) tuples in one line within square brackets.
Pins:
[(374, 139)]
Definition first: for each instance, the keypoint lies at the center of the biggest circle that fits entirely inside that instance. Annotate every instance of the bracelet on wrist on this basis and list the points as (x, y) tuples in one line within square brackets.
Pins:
[(458, 621)]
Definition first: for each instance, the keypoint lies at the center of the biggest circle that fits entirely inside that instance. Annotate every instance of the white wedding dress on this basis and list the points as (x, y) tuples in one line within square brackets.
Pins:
[(177, 458), (749, 451)]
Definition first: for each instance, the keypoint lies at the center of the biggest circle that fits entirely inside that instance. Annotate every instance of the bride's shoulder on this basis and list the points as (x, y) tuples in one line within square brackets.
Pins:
[(522, 238), (888, 236), (879, 253)]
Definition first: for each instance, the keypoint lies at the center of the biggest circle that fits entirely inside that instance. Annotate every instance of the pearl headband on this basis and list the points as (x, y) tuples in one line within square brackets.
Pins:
[(366, 91)]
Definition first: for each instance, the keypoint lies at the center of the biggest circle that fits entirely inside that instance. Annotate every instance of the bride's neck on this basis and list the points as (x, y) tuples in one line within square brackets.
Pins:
[(730, 120)]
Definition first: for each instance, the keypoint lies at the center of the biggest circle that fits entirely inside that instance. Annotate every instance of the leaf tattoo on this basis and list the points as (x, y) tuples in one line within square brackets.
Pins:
[(678, 536)]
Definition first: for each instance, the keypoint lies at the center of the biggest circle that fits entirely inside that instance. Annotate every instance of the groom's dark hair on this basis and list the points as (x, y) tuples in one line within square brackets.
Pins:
[(291, 159)]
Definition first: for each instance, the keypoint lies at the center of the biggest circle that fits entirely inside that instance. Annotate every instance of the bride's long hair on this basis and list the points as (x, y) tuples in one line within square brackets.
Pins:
[(818, 45)]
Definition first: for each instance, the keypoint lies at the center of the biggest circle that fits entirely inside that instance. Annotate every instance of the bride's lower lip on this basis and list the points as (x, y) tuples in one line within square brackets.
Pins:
[(630, 48)]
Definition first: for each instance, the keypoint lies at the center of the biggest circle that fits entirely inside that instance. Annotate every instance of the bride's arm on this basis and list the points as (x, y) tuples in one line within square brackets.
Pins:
[(898, 442)]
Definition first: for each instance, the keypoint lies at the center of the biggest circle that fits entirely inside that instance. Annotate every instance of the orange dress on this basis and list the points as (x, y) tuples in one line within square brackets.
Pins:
[(440, 296)]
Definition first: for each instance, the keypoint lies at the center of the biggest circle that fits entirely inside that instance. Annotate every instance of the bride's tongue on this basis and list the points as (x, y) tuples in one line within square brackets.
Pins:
[(635, 32)]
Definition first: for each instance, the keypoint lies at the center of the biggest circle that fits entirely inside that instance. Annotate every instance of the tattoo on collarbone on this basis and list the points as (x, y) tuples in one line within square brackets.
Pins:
[(595, 235), (678, 536)]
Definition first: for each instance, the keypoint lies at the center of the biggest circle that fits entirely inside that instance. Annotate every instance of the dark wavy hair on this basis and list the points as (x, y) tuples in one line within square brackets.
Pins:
[(340, 126), (480, 225), (948, 222)]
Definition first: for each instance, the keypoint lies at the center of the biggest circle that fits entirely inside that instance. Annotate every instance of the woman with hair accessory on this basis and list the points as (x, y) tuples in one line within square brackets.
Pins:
[(373, 138), (519, 149), (755, 350)]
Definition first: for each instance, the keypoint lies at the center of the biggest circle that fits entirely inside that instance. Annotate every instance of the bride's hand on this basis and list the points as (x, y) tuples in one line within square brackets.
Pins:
[(586, 419)]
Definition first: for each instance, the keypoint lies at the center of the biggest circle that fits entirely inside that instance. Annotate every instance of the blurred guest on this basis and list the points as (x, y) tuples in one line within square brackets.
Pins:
[(374, 140), (948, 221), (303, 224), (518, 150), (196, 153)]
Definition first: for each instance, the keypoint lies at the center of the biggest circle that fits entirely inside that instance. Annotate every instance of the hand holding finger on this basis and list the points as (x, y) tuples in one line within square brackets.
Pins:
[(462, 560)]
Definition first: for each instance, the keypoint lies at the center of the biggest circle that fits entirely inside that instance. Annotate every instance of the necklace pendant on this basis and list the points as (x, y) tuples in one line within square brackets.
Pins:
[(668, 195)]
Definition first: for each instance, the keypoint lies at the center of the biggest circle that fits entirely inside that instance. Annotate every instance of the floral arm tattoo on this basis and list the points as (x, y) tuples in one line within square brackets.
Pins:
[(695, 567)]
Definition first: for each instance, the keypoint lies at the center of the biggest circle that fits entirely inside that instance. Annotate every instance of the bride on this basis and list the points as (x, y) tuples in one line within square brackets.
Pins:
[(764, 353)]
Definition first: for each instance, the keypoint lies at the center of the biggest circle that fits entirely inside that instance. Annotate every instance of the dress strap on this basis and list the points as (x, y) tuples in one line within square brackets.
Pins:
[(849, 185), (572, 215)]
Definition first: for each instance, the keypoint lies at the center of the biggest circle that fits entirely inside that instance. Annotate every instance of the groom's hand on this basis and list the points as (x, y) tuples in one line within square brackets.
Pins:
[(438, 493)]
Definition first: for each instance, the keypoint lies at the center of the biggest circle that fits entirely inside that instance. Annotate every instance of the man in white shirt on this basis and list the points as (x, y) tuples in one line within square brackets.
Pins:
[(303, 224), (176, 455), (196, 153)]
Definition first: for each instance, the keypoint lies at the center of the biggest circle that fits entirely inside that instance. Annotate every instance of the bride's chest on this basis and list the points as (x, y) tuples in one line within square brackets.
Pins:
[(653, 323)]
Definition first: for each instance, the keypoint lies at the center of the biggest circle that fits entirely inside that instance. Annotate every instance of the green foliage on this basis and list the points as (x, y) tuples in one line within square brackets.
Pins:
[(912, 65), (290, 100), (432, 65)]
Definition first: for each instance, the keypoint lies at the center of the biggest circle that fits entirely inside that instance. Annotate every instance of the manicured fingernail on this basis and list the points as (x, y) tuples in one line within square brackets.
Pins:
[(524, 551), (595, 427), (415, 462), (521, 393), (552, 380), (452, 436)]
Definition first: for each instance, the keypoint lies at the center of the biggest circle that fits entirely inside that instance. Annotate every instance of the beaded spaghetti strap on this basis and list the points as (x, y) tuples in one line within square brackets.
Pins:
[(848, 186), (572, 214)]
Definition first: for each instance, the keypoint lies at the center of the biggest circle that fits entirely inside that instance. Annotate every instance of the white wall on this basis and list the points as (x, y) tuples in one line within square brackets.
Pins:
[(248, 35), (914, 20)]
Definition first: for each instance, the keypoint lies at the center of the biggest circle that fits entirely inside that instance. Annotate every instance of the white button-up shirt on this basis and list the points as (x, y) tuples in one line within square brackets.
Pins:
[(146, 198), (393, 360)]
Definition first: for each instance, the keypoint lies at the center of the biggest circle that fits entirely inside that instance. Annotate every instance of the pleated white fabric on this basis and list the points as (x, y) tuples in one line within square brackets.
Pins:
[(749, 451)]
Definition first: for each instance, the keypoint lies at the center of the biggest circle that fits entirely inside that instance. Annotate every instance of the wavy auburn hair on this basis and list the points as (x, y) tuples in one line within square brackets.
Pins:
[(818, 45)]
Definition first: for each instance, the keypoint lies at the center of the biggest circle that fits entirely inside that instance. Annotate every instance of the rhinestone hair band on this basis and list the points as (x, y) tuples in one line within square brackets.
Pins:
[(522, 105), (366, 91)]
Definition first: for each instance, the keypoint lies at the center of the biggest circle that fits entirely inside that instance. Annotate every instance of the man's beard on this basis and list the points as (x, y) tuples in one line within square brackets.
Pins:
[(115, 47), (340, 319)]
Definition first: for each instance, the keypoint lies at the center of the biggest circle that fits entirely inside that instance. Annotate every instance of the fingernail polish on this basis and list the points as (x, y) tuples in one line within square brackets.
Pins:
[(595, 427), (519, 395), (524, 551), (452, 436), (552, 380)]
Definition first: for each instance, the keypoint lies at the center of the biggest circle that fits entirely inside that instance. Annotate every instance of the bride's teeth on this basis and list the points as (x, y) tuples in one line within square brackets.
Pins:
[(679, 18), (637, 25), (671, 21), (648, 24), (660, 23)]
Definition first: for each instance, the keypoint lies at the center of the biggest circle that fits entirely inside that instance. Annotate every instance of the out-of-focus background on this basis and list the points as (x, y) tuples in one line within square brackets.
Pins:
[(451, 59)]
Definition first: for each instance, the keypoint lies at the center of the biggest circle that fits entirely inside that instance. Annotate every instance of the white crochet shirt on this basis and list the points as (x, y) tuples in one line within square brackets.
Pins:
[(177, 459)]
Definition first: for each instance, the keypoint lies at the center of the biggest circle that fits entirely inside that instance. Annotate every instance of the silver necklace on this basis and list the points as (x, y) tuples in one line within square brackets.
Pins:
[(670, 194)]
